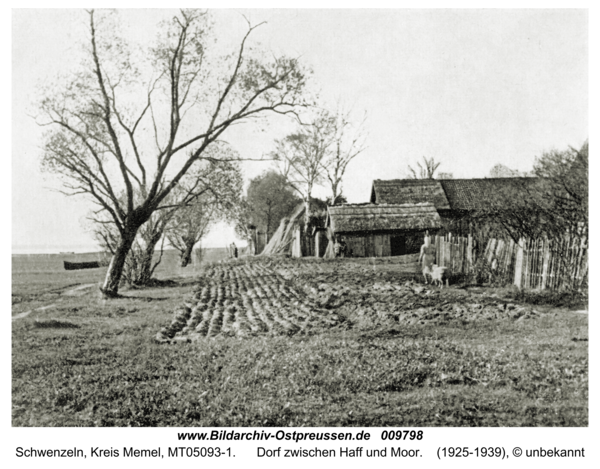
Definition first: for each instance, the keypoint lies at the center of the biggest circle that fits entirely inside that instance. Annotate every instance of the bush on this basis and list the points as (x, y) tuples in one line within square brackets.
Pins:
[(562, 299)]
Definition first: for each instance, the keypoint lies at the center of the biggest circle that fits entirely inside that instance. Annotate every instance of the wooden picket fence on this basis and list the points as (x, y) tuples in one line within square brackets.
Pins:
[(552, 264), (531, 263), (455, 252)]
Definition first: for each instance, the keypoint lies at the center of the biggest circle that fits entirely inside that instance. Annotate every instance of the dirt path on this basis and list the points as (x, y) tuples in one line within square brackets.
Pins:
[(27, 313), (77, 291)]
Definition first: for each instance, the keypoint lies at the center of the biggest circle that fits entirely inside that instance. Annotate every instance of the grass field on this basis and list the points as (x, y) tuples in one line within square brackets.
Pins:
[(300, 343)]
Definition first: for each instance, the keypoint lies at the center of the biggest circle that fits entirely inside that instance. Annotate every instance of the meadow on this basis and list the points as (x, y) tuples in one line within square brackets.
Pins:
[(275, 342)]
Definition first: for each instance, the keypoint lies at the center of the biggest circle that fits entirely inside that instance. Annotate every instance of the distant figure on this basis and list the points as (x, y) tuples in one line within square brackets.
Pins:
[(493, 269), (343, 247), (234, 250), (427, 257), (340, 247)]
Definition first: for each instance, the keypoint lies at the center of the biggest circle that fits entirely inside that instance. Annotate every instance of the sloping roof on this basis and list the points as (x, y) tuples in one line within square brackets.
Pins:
[(382, 217), (489, 193), (456, 194), (409, 191)]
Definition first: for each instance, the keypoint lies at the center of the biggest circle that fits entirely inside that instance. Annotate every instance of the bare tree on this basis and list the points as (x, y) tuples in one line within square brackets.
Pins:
[(301, 156), (426, 171), (564, 188), (201, 197), (221, 183), (140, 262), (190, 225), (348, 143), (121, 125)]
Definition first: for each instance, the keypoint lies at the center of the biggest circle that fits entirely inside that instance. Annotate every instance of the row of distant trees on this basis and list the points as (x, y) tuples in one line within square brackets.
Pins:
[(428, 169)]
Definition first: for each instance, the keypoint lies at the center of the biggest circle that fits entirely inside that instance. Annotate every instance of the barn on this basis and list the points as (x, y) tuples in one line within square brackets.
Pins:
[(382, 230), (461, 203)]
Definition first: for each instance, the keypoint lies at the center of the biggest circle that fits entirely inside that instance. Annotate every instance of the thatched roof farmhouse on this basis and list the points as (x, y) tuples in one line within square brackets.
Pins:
[(373, 230), (401, 212), (465, 206), (356, 218)]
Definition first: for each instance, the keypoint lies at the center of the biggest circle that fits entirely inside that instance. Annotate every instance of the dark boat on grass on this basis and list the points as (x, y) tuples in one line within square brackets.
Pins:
[(83, 265)]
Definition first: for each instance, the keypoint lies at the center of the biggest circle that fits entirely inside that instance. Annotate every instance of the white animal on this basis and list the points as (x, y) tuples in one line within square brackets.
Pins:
[(438, 274)]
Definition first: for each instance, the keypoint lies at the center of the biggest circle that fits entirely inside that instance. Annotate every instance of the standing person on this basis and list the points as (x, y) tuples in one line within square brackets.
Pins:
[(343, 247), (337, 247), (234, 250), (427, 257)]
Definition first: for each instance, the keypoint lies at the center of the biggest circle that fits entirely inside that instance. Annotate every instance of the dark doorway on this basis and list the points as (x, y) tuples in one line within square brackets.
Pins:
[(397, 245)]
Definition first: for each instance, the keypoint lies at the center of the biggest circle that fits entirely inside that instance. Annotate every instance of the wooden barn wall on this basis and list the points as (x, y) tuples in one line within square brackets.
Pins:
[(378, 244)]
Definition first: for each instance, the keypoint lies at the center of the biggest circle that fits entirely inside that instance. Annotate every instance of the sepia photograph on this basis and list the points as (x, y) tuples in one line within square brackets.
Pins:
[(308, 218)]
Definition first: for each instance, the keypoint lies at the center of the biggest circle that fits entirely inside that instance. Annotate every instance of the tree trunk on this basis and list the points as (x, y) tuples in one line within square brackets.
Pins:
[(110, 288), (252, 243), (146, 268), (306, 213), (268, 224), (334, 190), (186, 254)]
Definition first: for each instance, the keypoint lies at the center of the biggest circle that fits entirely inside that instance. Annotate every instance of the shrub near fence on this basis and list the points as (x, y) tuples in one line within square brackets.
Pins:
[(532, 263)]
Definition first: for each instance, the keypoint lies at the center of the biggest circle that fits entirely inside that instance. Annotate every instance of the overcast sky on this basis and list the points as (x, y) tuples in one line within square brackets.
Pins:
[(469, 88)]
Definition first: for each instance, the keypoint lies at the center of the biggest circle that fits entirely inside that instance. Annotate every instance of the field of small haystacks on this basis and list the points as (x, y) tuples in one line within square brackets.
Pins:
[(299, 342)]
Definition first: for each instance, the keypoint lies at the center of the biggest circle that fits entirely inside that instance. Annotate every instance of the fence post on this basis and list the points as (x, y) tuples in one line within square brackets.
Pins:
[(519, 264), (583, 261), (470, 253), (546, 255), (526, 263), (461, 255), (553, 258), (534, 263)]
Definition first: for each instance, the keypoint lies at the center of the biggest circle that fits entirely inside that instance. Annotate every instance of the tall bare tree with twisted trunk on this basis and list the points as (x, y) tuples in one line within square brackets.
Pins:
[(301, 156), (126, 123), (348, 141)]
